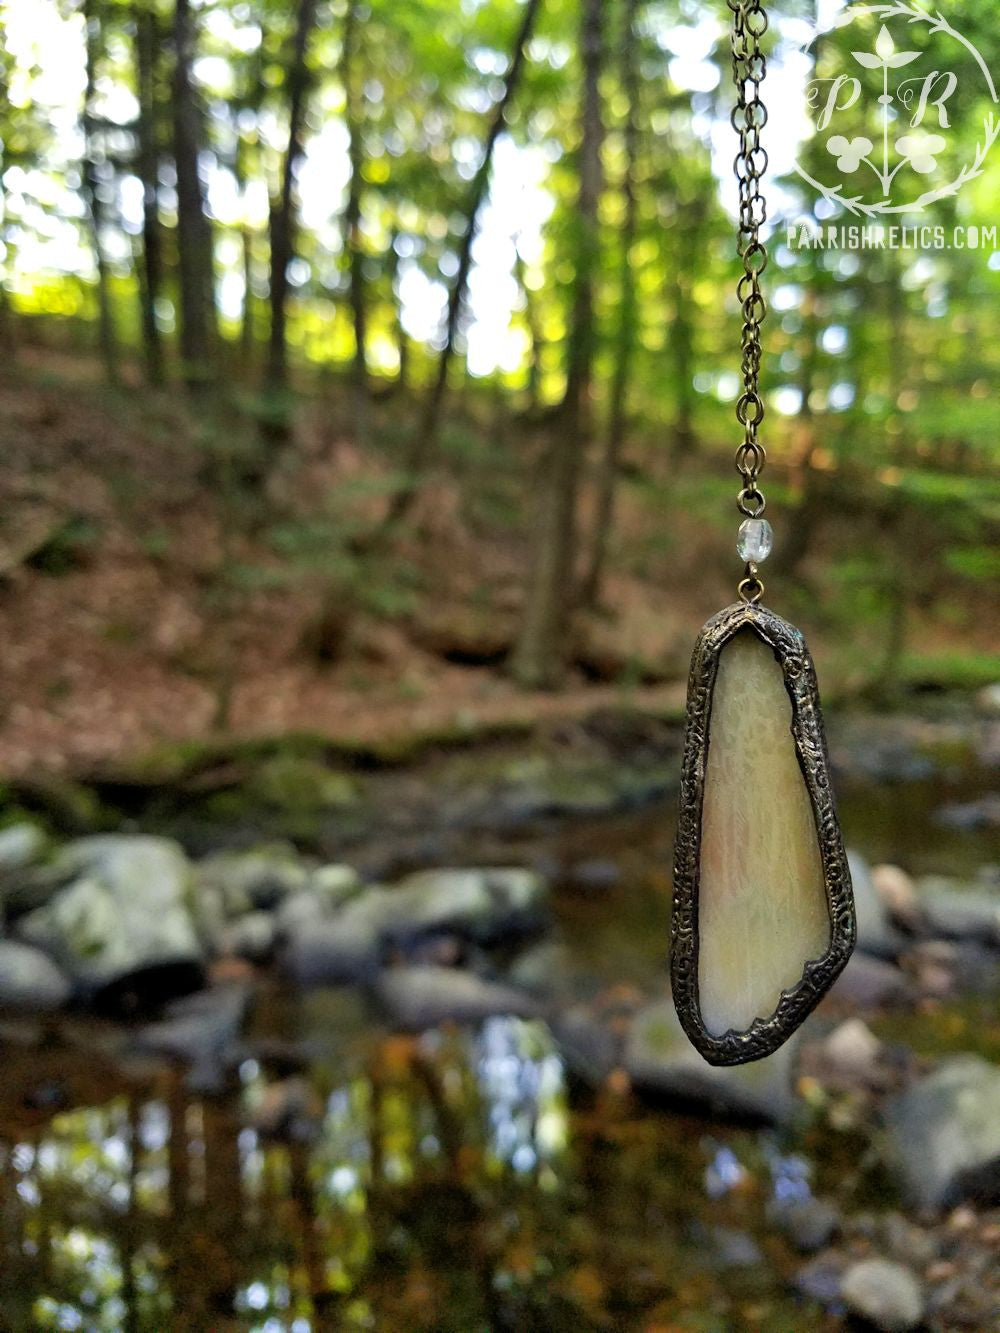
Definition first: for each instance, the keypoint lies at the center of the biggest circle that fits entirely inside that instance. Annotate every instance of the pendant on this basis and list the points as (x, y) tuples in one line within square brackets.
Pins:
[(763, 914)]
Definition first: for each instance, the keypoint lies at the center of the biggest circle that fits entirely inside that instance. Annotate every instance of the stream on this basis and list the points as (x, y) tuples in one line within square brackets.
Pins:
[(464, 1179)]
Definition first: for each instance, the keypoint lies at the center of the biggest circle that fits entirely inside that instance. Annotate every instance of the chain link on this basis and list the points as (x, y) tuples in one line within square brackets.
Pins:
[(749, 117)]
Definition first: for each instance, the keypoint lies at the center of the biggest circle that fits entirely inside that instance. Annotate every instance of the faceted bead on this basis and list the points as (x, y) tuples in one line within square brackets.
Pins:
[(756, 540), (762, 908)]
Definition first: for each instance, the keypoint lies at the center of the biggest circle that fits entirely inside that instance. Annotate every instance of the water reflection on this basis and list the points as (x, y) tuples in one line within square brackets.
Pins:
[(447, 1182), (273, 1206)]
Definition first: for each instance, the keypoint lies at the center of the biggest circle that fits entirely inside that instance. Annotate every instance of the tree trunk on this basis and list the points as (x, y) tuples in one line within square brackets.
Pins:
[(247, 334), (283, 214), (402, 341), (353, 109), (92, 194), (627, 321), (147, 169), (539, 657), (427, 429), (194, 232), (533, 386)]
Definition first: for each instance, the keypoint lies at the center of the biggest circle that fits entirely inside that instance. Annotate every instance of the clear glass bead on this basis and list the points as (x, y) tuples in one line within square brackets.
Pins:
[(756, 540)]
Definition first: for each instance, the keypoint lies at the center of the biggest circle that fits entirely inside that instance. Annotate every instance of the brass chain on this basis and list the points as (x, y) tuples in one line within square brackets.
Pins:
[(749, 116)]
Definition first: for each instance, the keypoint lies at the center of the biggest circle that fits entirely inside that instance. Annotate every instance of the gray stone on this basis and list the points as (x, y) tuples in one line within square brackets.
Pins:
[(200, 1026), (734, 1249), (944, 1133), (590, 1048), (20, 845), (885, 1293), (251, 937), (321, 953), (593, 877), (298, 911), (30, 980), (849, 1057), (871, 983), (203, 1031), (126, 913), (335, 885), (968, 816), (420, 997), (810, 1224), (876, 933), (908, 1243), (898, 895), (481, 905), (819, 1279), (659, 1059), (259, 878), (955, 912), (545, 969)]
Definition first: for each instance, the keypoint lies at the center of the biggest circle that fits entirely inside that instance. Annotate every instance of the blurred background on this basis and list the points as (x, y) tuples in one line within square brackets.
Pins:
[(367, 407)]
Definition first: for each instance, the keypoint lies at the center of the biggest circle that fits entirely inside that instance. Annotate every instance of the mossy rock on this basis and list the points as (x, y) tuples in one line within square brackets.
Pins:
[(295, 784)]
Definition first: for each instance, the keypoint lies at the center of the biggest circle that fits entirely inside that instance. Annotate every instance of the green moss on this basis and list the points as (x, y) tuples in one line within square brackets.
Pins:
[(291, 783), (950, 671)]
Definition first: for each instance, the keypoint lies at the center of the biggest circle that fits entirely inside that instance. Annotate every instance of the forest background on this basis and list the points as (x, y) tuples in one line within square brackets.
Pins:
[(370, 369)]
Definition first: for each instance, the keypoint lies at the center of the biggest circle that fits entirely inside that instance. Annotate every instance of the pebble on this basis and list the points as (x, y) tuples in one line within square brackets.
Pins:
[(885, 1293), (421, 997), (810, 1224), (898, 895)]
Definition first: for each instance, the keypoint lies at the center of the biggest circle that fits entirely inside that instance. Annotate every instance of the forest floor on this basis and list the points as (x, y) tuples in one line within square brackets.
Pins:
[(154, 590)]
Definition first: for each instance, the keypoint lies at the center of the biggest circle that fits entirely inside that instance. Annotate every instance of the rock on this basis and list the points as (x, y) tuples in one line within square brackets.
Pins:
[(871, 983), (819, 1279), (988, 700), (955, 912), (851, 1057), (320, 953), (934, 966), (297, 912), (481, 905), (908, 1243), (259, 878), (199, 1026), (420, 997), (590, 1048), (251, 937), (545, 970), (968, 816), (885, 1293), (876, 933), (898, 895), (593, 878), (203, 1031), (944, 1133), (810, 1224), (334, 885), (125, 921), (734, 1249), (660, 1060), (208, 908), (30, 980), (21, 845)]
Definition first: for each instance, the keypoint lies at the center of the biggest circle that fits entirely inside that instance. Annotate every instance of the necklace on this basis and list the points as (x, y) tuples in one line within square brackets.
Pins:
[(763, 914)]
